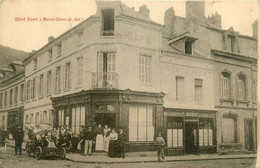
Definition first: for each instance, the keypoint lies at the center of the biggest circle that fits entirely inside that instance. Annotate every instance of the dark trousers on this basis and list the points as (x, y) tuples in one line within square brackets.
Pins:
[(122, 151), (160, 153), (18, 146)]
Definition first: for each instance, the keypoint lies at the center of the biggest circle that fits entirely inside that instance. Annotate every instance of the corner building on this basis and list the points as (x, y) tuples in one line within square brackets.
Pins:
[(120, 68)]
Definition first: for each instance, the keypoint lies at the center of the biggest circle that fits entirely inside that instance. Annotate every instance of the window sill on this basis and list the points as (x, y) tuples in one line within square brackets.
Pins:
[(66, 89), (107, 37), (222, 100), (146, 84), (243, 102)]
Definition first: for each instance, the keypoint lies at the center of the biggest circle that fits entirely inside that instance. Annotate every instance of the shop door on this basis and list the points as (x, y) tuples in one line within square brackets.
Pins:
[(106, 119), (191, 138), (249, 135)]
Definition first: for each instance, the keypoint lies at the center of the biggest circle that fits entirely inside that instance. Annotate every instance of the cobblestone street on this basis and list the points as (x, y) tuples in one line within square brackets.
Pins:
[(9, 160)]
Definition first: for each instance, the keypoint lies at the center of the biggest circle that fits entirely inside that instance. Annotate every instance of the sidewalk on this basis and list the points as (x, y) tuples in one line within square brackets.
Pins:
[(143, 157)]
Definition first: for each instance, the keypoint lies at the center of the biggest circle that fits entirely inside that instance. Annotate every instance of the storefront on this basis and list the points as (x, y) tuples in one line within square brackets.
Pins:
[(139, 114), (190, 131)]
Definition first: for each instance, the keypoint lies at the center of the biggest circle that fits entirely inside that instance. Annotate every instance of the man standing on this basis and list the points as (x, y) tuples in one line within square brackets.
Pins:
[(89, 138), (160, 147), (121, 142), (18, 138)]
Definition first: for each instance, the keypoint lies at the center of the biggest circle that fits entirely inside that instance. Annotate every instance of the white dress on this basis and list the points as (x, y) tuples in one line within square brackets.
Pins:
[(106, 139), (99, 141)]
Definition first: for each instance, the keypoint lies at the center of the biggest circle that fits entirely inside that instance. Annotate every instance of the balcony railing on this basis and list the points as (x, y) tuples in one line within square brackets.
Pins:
[(108, 32), (104, 80)]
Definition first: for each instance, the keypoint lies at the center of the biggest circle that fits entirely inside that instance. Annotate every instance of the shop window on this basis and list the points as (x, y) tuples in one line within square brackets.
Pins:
[(241, 87), (108, 22), (145, 74), (78, 118), (188, 47), (141, 123), (61, 117), (37, 118), (179, 88), (230, 122), (198, 90), (225, 85), (205, 132), (174, 132), (11, 97)]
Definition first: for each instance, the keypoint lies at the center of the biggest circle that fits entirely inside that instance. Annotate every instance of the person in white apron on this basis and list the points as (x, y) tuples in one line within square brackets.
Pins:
[(99, 139), (107, 131)]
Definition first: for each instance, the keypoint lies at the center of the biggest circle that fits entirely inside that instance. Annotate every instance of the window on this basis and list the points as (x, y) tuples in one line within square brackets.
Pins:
[(180, 88), (27, 119), (198, 90), (231, 43), (254, 91), (145, 75), (31, 118), (80, 71), (35, 64), (67, 75), (49, 53), (41, 86), (61, 117), (33, 88), (78, 118), (57, 79), (108, 22), (141, 123), (49, 83), (205, 132), (1, 100), (80, 38), (11, 97), (44, 117), (58, 50), (3, 122), (21, 92), (230, 122), (174, 132), (241, 87), (188, 47), (37, 118), (225, 85), (28, 90), (5, 99), (16, 95)]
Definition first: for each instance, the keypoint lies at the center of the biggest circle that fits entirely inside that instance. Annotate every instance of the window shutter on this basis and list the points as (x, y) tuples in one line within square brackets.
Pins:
[(100, 62)]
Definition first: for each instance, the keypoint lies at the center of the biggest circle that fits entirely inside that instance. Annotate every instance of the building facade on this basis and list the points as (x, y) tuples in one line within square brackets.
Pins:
[(12, 95), (185, 78)]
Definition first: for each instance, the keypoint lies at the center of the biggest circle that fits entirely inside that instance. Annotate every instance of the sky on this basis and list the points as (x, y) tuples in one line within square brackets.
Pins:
[(32, 35)]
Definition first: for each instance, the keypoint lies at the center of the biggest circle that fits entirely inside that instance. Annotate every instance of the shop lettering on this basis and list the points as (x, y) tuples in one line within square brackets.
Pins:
[(135, 37)]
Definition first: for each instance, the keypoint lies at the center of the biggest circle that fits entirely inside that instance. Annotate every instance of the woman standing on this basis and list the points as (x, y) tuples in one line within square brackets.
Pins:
[(113, 152), (99, 139), (107, 131)]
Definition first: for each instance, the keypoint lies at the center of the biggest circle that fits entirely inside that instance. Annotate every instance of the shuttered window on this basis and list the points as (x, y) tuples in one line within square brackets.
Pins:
[(225, 85), (229, 130)]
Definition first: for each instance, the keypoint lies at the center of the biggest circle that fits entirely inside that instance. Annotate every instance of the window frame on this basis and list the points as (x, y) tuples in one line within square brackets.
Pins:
[(145, 69)]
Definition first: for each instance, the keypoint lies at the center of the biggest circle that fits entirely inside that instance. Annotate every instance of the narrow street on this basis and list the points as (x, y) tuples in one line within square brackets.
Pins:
[(9, 160)]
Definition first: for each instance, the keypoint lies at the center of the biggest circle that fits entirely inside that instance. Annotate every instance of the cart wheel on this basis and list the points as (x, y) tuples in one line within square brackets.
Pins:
[(38, 152), (62, 152), (27, 149)]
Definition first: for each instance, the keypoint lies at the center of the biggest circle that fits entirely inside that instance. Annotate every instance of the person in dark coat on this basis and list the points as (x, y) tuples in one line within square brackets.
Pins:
[(121, 143), (89, 138), (18, 138), (113, 144)]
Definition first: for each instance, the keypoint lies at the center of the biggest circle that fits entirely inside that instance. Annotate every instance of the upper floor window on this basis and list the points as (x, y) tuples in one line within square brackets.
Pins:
[(49, 55), (179, 88), (231, 40), (11, 97), (5, 99), (41, 85), (80, 71), (58, 50), (28, 90), (33, 93), (241, 87), (145, 68), (188, 47), (21, 92), (80, 38), (49, 83), (198, 90), (16, 95), (254, 90), (225, 85), (1, 100), (107, 22), (57, 79), (35, 64), (67, 75)]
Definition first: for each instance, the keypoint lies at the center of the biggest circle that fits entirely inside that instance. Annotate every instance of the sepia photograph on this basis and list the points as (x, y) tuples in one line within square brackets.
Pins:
[(129, 83)]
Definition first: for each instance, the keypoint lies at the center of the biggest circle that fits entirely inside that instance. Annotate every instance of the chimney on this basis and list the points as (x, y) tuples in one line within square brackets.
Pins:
[(50, 39), (215, 20), (195, 11), (32, 52), (144, 11), (169, 22), (255, 29)]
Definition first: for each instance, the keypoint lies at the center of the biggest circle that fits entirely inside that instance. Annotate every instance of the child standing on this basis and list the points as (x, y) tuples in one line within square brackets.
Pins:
[(160, 147)]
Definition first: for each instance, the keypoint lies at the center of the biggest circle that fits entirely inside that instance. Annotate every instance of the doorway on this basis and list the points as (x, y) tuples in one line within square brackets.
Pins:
[(191, 139), (106, 119), (249, 135)]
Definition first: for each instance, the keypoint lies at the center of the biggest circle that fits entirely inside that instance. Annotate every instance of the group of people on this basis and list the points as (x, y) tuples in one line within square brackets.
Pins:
[(104, 139)]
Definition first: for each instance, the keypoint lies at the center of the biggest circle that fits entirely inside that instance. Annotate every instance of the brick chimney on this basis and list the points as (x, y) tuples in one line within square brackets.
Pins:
[(50, 39), (255, 29), (169, 22), (144, 11), (195, 11)]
